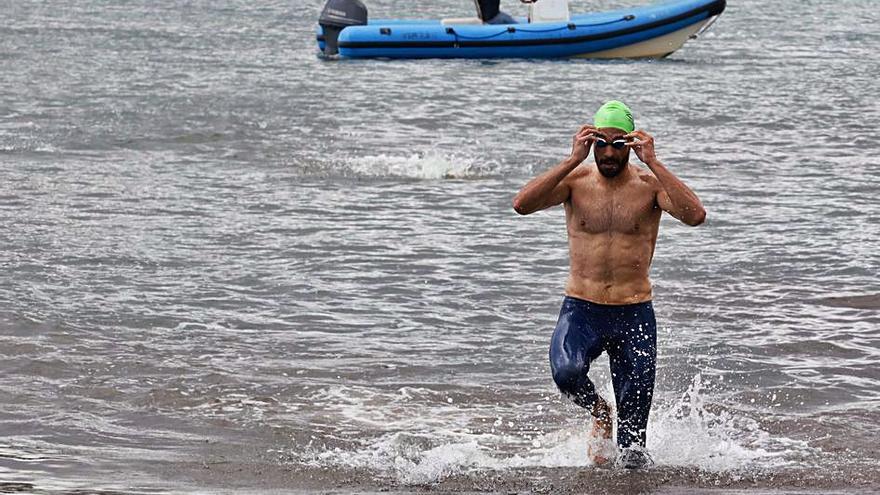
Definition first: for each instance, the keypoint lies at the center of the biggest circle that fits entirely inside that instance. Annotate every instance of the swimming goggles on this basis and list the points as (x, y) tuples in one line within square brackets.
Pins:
[(616, 144)]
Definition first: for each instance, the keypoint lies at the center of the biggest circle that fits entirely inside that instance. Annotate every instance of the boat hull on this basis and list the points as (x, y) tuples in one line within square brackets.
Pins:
[(642, 32)]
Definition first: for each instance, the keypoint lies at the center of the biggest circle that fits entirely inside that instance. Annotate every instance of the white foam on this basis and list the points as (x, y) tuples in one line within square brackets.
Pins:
[(687, 434), (439, 462), (27, 145), (683, 432), (429, 166)]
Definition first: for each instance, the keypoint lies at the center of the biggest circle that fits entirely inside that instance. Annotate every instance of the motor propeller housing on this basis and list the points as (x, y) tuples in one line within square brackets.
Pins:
[(338, 15)]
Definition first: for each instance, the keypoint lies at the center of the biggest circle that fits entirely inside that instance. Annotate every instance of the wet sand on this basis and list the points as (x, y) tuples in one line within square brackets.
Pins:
[(265, 478)]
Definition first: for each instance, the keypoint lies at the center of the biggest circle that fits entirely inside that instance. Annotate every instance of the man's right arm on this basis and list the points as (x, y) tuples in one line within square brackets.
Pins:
[(549, 189)]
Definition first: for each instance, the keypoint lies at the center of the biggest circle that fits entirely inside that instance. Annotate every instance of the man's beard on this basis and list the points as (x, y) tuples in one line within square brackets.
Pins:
[(610, 168)]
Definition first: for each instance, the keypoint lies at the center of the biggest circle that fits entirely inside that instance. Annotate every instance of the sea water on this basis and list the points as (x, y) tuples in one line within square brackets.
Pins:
[(229, 265)]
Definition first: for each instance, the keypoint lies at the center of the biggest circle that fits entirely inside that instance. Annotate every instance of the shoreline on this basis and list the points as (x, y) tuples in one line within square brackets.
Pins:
[(269, 478)]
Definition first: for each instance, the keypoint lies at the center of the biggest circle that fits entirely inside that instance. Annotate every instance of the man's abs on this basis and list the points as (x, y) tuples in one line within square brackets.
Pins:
[(610, 268)]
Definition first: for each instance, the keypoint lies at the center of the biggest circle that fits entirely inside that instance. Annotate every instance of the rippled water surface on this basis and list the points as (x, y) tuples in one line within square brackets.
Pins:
[(230, 265)]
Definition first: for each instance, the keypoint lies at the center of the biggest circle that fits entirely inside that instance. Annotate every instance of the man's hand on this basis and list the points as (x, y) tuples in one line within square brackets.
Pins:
[(583, 141), (549, 189), (643, 144), (674, 196)]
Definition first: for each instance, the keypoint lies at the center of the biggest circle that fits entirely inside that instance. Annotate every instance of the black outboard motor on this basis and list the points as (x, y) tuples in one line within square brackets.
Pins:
[(338, 15)]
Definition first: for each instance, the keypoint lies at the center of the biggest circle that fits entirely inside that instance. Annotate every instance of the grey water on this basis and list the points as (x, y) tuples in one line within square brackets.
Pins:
[(231, 266)]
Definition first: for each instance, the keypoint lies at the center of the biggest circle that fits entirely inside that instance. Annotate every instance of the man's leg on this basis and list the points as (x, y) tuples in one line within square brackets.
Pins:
[(574, 345), (633, 356), (577, 342), (502, 18)]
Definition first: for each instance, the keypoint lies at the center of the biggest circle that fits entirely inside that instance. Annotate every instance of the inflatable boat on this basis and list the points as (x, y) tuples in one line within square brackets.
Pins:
[(651, 31)]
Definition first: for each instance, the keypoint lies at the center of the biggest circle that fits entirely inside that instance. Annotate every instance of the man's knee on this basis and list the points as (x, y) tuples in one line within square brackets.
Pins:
[(568, 377)]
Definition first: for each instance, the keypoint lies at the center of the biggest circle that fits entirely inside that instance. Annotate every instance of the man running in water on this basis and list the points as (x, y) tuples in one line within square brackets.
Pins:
[(612, 211)]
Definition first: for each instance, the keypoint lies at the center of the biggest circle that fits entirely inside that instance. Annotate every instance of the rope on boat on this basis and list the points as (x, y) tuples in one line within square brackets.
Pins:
[(514, 29)]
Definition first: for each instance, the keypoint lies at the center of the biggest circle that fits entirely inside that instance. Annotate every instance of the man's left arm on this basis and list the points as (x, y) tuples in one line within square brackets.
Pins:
[(674, 196)]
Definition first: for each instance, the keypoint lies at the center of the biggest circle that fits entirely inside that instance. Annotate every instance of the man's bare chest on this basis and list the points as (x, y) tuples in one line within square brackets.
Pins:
[(596, 210)]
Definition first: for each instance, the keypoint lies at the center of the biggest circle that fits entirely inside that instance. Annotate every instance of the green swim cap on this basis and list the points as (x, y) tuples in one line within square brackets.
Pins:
[(615, 114)]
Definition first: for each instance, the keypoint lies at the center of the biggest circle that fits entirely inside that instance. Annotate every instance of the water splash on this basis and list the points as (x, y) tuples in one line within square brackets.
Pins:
[(25, 145), (688, 432), (430, 166)]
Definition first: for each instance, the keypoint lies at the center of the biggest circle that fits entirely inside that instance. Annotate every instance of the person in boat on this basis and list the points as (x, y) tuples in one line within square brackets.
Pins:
[(490, 12), (612, 211)]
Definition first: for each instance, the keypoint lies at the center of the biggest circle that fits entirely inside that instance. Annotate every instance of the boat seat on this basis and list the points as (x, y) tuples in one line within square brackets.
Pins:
[(549, 11), (462, 20)]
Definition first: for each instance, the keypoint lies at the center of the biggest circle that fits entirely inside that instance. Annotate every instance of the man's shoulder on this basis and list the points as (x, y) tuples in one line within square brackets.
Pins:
[(644, 176), (577, 175)]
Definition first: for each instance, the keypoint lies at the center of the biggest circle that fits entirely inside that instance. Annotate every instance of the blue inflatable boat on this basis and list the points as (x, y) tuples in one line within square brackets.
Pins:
[(652, 31)]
